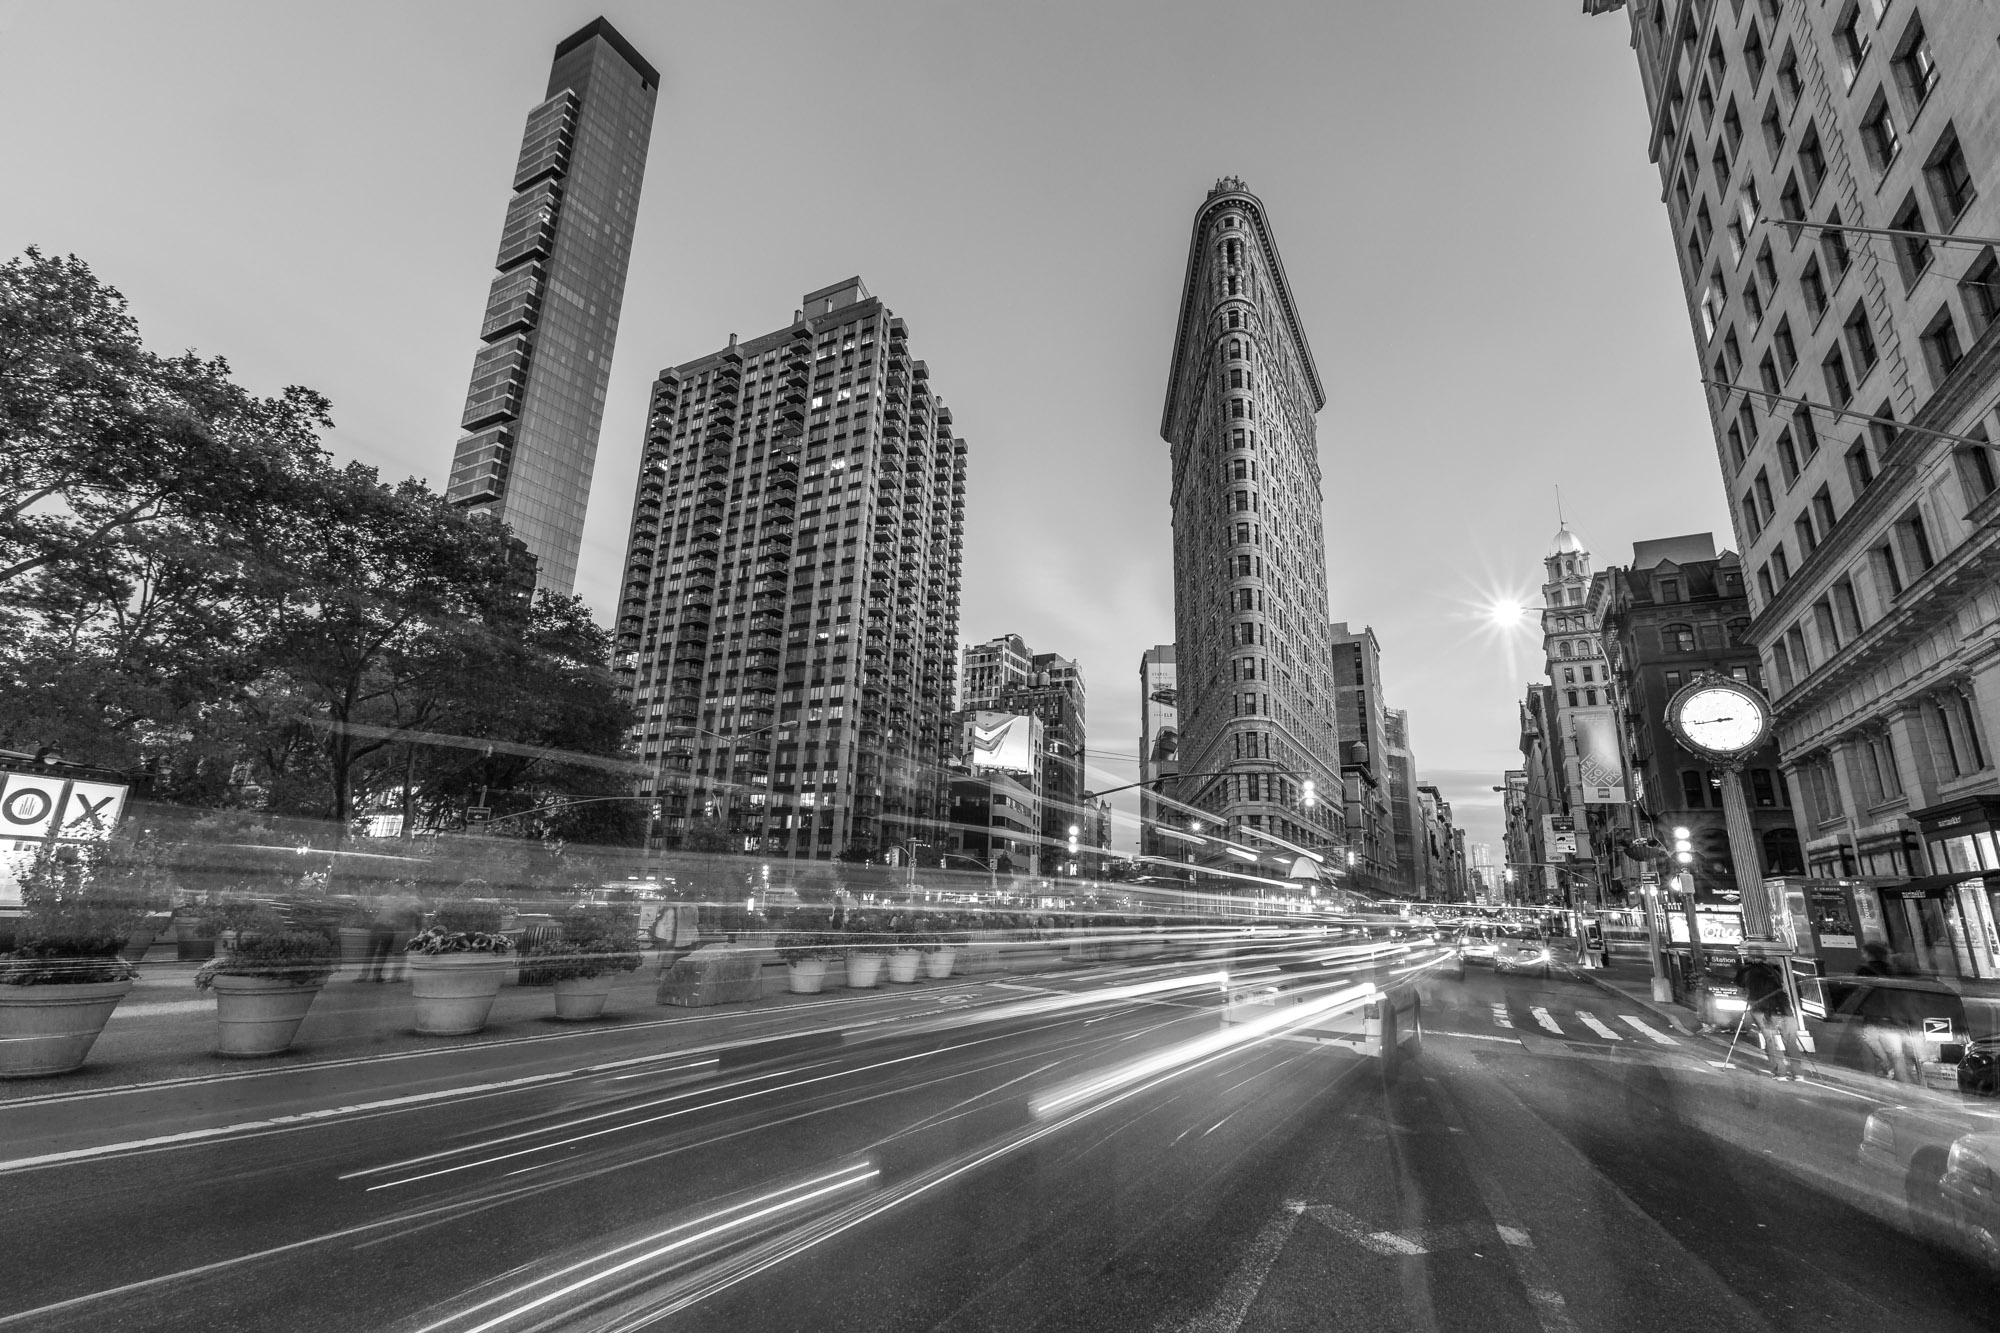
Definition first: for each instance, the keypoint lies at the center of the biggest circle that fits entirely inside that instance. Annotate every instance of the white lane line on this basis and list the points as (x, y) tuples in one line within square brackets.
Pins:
[(1225, 1313), (1542, 1017), (147, 1008), (1500, 1016), (1592, 1022), (1658, 1037), (1471, 1036)]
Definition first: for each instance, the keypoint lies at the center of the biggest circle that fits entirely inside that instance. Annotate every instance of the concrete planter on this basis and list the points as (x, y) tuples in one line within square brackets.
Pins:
[(937, 963), (50, 1029), (904, 964), (259, 1015), (454, 991), (141, 939), (807, 976), (582, 998), (864, 970)]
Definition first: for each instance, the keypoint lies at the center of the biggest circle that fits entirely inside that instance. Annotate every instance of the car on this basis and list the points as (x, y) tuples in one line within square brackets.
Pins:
[(1970, 1191), (1478, 944), (1951, 1030), (1348, 993), (1904, 1154), (1524, 952)]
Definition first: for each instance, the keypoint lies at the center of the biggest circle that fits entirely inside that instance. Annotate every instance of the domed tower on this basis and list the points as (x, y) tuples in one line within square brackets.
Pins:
[(1570, 642)]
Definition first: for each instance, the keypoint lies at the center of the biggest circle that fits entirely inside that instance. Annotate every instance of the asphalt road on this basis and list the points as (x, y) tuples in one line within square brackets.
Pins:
[(1034, 1154)]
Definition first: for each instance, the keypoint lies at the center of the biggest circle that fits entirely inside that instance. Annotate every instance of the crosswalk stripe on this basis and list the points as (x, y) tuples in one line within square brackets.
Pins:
[(1592, 1022), (1542, 1017), (1659, 1038), (1500, 1016)]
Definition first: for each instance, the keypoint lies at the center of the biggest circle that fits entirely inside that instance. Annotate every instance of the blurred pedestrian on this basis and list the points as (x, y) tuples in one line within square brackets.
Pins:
[(1884, 1015), (1770, 1008), (405, 916), (381, 938)]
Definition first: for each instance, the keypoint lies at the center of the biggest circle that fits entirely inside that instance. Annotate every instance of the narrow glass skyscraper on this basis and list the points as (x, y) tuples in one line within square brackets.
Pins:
[(538, 382), (1250, 627)]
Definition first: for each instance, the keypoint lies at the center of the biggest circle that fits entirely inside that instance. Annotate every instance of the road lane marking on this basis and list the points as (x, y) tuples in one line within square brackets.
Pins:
[(1542, 1017), (1592, 1022), (1414, 1241), (1500, 1016), (1225, 1313), (147, 1008), (1658, 1037), (1471, 1036)]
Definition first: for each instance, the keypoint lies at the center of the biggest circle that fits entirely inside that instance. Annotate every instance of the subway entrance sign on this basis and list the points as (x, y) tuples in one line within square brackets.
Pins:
[(42, 807)]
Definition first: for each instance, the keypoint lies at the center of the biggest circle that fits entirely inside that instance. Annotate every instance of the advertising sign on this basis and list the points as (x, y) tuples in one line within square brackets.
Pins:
[(1003, 741), (36, 808), (1600, 763), (1559, 835)]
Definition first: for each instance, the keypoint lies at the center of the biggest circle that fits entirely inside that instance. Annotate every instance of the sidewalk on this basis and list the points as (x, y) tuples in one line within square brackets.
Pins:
[(164, 1031)]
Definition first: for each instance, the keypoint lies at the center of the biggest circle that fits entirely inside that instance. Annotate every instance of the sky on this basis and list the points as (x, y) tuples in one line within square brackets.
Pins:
[(1459, 189)]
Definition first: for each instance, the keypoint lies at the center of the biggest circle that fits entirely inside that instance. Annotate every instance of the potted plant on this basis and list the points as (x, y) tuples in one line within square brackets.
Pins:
[(806, 956), (194, 934), (864, 952), (941, 950), (906, 947), (60, 983), (581, 962), (265, 983), (456, 966)]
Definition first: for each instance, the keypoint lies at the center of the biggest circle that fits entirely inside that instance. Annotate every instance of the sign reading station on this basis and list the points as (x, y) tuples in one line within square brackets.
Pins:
[(39, 808)]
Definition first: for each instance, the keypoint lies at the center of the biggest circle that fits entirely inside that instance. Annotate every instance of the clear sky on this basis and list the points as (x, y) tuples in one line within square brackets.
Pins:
[(1459, 188)]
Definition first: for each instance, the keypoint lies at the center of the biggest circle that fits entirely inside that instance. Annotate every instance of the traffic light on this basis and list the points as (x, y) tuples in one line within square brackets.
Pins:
[(1073, 832), (1683, 848), (1308, 795)]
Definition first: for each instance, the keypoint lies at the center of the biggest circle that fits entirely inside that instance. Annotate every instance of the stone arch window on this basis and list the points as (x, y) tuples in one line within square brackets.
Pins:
[(1235, 319), (1236, 349), (1564, 648), (1677, 638), (1739, 634)]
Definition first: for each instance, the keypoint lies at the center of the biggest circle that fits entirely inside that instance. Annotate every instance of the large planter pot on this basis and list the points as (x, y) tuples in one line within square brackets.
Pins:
[(903, 965), (937, 963), (454, 991), (49, 1029), (354, 946), (864, 970), (190, 947), (259, 1015), (580, 998), (807, 976)]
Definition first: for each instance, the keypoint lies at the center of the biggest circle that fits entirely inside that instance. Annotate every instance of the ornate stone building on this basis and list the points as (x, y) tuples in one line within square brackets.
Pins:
[(1831, 174), (1250, 621)]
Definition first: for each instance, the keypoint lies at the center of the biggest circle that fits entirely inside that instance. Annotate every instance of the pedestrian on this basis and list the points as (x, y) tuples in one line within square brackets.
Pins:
[(1884, 1015), (381, 938), (406, 918), (1771, 1009)]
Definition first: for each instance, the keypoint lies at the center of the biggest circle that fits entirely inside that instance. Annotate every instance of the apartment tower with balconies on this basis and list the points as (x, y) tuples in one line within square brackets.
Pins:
[(788, 626)]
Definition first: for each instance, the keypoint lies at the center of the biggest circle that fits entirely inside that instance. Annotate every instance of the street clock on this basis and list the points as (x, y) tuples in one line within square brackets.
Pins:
[(1719, 717)]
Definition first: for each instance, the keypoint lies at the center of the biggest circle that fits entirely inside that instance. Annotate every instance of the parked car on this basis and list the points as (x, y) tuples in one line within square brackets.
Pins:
[(1952, 1029), (1904, 1152), (1970, 1189)]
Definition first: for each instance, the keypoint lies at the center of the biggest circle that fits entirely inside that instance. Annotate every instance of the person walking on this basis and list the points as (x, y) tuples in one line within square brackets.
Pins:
[(1770, 1008), (381, 939), (1885, 1018)]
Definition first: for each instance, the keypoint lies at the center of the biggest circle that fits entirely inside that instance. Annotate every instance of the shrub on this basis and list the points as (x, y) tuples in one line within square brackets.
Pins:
[(799, 948), (268, 948), (467, 916), (81, 902), (594, 941)]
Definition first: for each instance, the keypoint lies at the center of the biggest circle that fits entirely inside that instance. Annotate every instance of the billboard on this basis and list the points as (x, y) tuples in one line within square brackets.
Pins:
[(1008, 742), (37, 808), (1600, 761)]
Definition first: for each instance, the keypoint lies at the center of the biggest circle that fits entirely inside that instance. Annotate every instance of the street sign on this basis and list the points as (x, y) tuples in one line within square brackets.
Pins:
[(478, 814), (1559, 834)]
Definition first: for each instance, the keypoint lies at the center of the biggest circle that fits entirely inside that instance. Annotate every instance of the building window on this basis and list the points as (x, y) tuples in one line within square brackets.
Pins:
[(1738, 630), (1677, 638), (1916, 68), (1980, 290), (1916, 540), (1785, 347), (1694, 789), (1891, 578), (1851, 41), (1762, 793), (1792, 203), (1822, 504), (1571, 694), (1941, 346), (1950, 178), (1767, 374), (1590, 697), (1670, 590), (1673, 679), (1878, 135), (1860, 471), (1846, 609), (1782, 563), (1735, 436), (1839, 389), (1833, 245), (1752, 523), (1774, 131), (1860, 338), (1802, 426), (1812, 159), (1802, 528), (1789, 85), (1976, 472), (1762, 485), (1788, 459), (1913, 250)]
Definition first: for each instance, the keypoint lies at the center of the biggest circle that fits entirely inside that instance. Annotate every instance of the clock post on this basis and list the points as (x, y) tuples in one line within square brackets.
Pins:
[(1724, 720)]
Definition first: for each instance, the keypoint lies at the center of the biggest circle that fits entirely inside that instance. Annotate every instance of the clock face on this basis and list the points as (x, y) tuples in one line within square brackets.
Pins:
[(1721, 720)]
